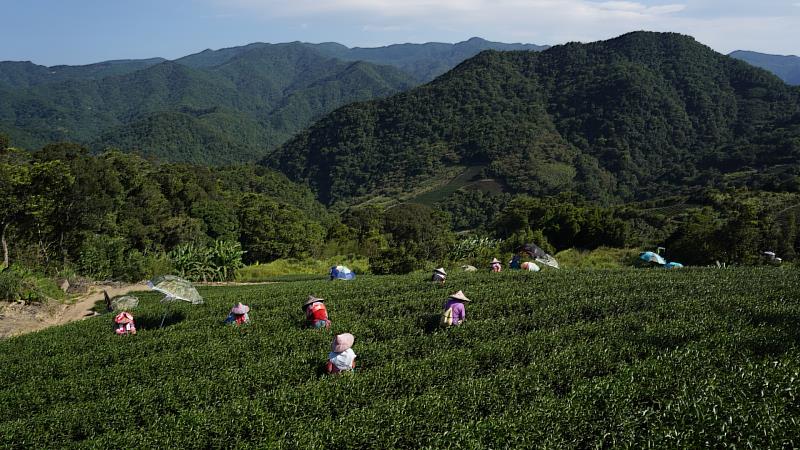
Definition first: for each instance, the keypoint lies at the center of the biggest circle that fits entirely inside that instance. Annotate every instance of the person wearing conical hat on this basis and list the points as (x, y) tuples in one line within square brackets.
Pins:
[(342, 358), (125, 325), (454, 309), (238, 315), (316, 313), (439, 275), (496, 267)]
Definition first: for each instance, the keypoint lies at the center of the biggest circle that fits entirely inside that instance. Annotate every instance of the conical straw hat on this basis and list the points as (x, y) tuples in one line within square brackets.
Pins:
[(460, 296)]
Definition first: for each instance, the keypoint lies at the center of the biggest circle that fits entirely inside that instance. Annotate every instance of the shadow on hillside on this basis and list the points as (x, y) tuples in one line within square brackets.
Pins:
[(154, 322)]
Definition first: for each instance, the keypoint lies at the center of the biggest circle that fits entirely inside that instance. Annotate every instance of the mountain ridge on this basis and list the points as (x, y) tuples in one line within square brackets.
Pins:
[(618, 119), (787, 67), (267, 92)]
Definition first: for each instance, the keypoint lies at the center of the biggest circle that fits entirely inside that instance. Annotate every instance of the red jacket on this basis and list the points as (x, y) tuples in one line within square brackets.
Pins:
[(316, 311)]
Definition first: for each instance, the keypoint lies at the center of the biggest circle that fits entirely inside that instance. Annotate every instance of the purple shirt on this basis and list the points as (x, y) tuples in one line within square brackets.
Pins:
[(459, 311)]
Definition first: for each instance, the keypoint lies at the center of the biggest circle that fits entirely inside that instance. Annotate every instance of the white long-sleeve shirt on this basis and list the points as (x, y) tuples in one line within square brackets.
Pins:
[(343, 360)]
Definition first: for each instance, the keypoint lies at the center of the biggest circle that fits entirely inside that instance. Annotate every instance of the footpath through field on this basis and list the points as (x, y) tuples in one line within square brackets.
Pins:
[(21, 318)]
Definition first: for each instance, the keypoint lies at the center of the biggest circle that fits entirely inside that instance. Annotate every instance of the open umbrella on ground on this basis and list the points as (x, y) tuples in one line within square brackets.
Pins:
[(174, 289), (652, 257), (535, 252), (120, 302), (673, 265)]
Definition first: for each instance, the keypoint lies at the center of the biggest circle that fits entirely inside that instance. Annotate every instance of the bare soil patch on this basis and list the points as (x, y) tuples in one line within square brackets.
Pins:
[(20, 318)]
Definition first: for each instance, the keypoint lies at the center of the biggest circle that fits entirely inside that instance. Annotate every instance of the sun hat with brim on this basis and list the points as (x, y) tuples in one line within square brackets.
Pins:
[(495, 261), (312, 299), (123, 317), (342, 342), (460, 296), (240, 309), (440, 270)]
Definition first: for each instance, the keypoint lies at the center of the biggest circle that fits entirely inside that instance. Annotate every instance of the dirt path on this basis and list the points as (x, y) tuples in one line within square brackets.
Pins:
[(17, 318)]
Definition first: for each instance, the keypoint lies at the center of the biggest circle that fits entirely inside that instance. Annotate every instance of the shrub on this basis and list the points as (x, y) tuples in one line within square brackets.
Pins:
[(19, 283), (140, 266), (396, 260), (10, 285), (101, 256), (301, 268), (474, 248), (599, 258), (200, 263)]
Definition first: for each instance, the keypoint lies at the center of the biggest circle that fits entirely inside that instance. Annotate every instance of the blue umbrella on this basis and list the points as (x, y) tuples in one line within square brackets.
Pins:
[(652, 257), (673, 265), (342, 273)]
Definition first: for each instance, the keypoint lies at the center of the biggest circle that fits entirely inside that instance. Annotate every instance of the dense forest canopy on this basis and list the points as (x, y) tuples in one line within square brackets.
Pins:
[(232, 112), (617, 120), (216, 106), (116, 215), (111, 214)]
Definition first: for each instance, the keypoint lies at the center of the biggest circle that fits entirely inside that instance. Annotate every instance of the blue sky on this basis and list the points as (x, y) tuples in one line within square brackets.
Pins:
[(83, 31)]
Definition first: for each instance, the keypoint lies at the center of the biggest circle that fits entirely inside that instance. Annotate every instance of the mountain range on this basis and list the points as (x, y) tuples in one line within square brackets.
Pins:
[(629, 118), (215, 106), (615, 120), (786, 67)]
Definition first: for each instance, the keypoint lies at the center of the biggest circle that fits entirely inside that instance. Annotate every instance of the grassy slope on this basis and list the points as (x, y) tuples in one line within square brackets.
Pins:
[(671, 359)]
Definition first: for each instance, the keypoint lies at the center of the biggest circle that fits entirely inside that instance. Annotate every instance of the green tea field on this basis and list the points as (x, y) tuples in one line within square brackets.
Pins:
[(558, 359)]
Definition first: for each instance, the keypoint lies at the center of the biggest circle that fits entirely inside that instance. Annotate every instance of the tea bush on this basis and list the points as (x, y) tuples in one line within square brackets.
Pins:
[(630, 358)]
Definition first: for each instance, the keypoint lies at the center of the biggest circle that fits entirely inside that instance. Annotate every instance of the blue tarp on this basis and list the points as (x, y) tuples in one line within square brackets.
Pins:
[(342, 273), (652, 257)]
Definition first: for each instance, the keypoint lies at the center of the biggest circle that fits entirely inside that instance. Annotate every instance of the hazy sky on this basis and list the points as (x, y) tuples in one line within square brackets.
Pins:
[(82, 31)]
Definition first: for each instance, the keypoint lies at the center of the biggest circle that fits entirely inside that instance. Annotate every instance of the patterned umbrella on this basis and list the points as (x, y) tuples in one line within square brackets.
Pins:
[(176, 288), (120, 302), (538, 254), (124, 302)]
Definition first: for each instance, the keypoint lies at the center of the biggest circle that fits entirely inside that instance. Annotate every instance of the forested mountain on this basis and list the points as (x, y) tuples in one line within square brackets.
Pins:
[(216, 106), (232, 111), (424, 61), (631, 117), (786, 67), (22, 74)]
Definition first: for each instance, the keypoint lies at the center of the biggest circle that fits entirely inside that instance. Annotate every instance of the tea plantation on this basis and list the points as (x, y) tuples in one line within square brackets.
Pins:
[(647, 358)]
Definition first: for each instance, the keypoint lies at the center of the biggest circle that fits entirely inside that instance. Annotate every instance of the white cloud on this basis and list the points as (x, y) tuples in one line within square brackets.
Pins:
[(641, 8), (384, 28), (769, 25), (453, 8)]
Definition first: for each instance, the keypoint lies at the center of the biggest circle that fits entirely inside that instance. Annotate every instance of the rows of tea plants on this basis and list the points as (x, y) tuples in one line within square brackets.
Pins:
[(647, 358)]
